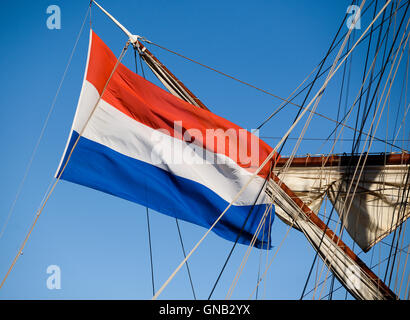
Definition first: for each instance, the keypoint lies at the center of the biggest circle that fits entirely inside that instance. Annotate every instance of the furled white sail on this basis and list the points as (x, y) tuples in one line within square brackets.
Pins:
[(359, 280), (370, 206)]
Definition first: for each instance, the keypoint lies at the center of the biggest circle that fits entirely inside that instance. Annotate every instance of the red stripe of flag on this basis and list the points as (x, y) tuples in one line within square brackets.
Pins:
[(154, 107)]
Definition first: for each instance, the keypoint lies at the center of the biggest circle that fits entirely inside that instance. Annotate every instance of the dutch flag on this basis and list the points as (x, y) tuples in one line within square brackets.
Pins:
[(141, 143)]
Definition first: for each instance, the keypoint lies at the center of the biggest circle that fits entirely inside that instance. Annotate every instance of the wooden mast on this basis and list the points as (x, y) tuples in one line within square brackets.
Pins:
[(144, 51)]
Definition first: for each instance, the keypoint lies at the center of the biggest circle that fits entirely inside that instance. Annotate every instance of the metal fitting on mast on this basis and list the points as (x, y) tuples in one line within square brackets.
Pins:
[(132, 37)]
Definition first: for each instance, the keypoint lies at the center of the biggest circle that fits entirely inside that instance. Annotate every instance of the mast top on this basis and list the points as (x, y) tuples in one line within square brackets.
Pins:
[(132, 37)]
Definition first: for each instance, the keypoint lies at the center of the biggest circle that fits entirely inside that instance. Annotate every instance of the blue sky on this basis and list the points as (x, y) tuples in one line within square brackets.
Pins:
[(100, 242)]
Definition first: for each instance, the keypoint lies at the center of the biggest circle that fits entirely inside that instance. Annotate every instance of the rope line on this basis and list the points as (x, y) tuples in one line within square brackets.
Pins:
[(315, 99), (356, 167), (238, 236), (150, 252), (43, 129), (147, 210), (186, 263), (62, 170), (287, 100), (370, 143), (372, 267)]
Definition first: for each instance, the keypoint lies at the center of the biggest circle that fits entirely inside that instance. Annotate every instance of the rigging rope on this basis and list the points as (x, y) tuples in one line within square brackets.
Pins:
[(319, 95), (186, 264), (317, 75), (136, 49), (372, 267), (269, 157), (398, 263), (239, 234), (48, 195), (405, 83), (385, 100), (288, 100), (362, 92), (364, 70), (355, 147), (340, 104), (404, 268), (311, 269), (150, 253), (402, 208), (43, 129), (147, 211), (248, 251), (272, 259), (335, 131), (371, 126)]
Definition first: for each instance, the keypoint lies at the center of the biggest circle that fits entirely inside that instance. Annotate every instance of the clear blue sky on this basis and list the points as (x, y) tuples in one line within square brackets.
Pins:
[(100, 242)]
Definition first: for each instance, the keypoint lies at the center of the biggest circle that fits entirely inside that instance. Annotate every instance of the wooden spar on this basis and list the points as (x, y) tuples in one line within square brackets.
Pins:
[(385, 290), (145, 51), (337, 160)]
